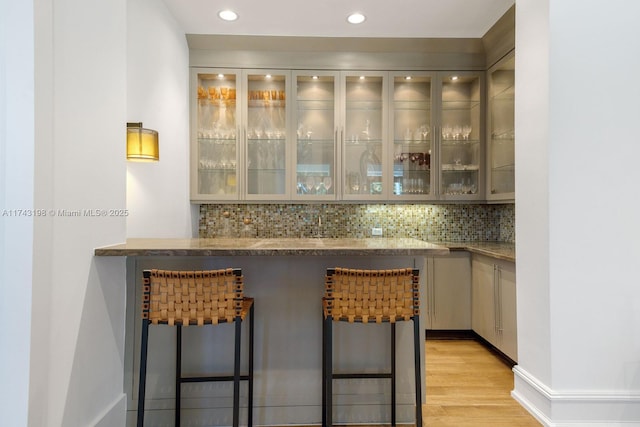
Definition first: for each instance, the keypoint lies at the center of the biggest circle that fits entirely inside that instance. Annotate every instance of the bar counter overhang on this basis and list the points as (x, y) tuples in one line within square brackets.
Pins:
[(273, 247), (286, 278)]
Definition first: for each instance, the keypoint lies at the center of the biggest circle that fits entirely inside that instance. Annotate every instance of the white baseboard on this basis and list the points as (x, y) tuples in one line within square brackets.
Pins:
[(575, 408), (114, 415)]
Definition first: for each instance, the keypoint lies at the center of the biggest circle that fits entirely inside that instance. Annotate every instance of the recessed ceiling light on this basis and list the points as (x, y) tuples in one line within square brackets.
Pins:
[(228, 15), (356, 18)]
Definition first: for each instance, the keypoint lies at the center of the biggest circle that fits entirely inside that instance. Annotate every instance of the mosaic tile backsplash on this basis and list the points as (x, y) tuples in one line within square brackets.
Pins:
[(425, 222)]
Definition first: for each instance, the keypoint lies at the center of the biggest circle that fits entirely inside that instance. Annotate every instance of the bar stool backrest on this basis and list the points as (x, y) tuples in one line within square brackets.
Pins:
[(193, 297), (366, 296)]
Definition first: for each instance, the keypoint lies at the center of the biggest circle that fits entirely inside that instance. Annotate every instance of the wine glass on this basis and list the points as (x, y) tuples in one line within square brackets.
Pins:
[(424, 131), (466, 131), (328, 183)]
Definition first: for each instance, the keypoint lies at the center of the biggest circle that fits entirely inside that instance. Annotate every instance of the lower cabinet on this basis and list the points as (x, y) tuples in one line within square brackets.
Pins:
[(493, 296), (447, 304)]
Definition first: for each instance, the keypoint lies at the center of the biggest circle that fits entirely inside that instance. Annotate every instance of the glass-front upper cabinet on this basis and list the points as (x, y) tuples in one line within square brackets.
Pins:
[(266, 123), (364, 155), (461, 130), (500, 132), (316, 112), (412, 135), (215, 125)]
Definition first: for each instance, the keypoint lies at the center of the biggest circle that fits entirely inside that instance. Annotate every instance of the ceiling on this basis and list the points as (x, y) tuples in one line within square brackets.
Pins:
[(327, 18)]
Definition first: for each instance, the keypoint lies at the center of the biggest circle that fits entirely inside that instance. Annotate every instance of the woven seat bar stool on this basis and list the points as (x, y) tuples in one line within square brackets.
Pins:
[(370, 296), (182, 298)]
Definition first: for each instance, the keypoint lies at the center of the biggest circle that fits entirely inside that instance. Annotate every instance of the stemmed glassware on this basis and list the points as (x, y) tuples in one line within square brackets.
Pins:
[(424, 132)]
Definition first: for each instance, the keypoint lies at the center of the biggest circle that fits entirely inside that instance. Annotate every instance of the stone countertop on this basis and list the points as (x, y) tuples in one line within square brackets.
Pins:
[(500, 250), (273, 247)]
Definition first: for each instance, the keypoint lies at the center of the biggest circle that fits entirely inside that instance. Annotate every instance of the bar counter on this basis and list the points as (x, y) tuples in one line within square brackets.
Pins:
[(286, 279)]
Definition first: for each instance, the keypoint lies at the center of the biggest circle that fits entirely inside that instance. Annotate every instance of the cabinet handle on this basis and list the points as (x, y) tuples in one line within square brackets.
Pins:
[(337, 179), (338, 156), (244, 148), (433, 284), (500, 328), (495, 299)]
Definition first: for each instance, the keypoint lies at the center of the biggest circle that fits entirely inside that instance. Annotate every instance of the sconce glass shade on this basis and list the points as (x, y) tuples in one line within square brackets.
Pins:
[(142, 144)]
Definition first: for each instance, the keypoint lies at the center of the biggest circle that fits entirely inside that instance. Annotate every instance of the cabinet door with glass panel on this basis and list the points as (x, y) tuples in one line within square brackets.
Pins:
[(266, 137), (315, 107), (215, 121), (364, 136), (500, 133), (411, 128), (461, 131)]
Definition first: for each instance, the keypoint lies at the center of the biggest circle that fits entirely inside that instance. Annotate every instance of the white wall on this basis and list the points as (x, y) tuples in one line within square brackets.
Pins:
[(577, 210), (16, 192), (62, 148), (158, 96), (78, 301), (532, 186)]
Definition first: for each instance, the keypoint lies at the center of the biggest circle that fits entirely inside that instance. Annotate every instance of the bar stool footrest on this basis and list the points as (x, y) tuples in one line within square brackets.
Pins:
[(362, 376), (219, 378)]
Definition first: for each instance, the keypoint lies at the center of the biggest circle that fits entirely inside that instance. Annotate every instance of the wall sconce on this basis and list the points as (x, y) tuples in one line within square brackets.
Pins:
[(142, 144)]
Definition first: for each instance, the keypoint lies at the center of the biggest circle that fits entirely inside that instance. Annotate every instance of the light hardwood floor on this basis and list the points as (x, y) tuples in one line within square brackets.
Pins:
[(468, 386)]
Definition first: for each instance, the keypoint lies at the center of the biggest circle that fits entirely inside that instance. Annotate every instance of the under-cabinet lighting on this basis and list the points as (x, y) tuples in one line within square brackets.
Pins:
[(356, 18), (228, 15), (221, 76), (268, 76), (361, 77), (453, 78), (407, 78), (314, 77)]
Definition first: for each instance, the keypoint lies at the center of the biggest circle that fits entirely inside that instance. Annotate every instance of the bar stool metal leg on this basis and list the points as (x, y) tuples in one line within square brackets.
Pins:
[(324, 372), (393, 374), (250, 398), (236, 373), (178, 374), (144, 344), (417, 343), (328, 370)]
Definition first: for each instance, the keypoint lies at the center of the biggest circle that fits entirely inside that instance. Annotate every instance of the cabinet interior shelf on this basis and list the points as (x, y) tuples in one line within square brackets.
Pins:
[(222, 103), (460, 105), (403, 172), (217, 170), (363, 142), (315, 104), (265, 139), (412, 105), (261, 104), (313, 141), (412, 141), (459, 168), (218, 141), (502, 139), (364, 105), (453, 142)]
